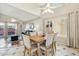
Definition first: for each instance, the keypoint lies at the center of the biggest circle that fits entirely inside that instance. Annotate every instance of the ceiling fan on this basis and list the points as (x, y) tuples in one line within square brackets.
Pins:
[(47, 9)]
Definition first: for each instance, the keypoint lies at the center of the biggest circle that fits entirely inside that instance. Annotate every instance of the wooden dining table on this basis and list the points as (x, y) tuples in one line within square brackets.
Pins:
[(37, 39)]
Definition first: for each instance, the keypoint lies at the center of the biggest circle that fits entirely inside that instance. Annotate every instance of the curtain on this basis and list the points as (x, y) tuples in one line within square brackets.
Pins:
[(73, 29)]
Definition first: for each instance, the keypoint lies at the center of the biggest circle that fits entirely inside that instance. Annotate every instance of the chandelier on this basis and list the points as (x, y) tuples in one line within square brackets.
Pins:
[(47, 9)]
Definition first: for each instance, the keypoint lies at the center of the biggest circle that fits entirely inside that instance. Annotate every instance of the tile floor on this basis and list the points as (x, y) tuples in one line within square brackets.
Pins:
[(65, 51), (18, 51)]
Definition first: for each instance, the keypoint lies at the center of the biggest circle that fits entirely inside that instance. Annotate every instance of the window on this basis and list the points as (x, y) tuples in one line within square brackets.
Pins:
[(2, 27), (2, 30), (12, 29), (6, 30)]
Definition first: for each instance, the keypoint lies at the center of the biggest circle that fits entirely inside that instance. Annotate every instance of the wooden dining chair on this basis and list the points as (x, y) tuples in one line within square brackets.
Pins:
[(33, 33), (54, 42), (48, 44), (27, 46), (40, 33)]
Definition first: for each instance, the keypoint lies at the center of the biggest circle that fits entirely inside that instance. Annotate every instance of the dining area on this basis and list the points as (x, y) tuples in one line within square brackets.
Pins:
[(39, 44), (40, 32)]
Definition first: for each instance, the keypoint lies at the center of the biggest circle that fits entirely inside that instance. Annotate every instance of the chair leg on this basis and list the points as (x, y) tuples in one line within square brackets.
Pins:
[(24, 51), (29, 52), (52, 50), (55, 46), (46, 52), (36, 53)]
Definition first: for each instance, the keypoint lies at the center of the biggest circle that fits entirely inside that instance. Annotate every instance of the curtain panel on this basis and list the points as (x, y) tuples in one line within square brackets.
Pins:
[(73, 29)]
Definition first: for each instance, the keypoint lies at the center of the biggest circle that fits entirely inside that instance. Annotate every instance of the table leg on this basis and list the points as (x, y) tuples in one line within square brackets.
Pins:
[(38, 49)]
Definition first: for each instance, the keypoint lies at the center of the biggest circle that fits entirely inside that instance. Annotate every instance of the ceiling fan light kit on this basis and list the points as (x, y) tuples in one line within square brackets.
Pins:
[(47, 9)]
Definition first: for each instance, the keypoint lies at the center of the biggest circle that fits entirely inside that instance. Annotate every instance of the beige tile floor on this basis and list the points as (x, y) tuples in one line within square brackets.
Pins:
[(61, 50), (18, 51), (65, 51)]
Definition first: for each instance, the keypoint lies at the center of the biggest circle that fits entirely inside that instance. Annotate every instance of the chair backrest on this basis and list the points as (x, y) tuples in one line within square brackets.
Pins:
[(55, 35), (40, 33), (49, 39), (33, 33), (26, 41)]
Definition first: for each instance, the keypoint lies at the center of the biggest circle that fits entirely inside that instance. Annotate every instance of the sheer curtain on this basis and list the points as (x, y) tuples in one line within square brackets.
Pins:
[(73, 29)]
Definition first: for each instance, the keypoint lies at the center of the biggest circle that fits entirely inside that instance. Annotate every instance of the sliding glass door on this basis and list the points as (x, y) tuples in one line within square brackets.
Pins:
[(6, 31), (11, 30), (2, 34)]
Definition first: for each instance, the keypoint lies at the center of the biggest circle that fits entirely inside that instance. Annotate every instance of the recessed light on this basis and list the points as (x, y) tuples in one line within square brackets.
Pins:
[(13, 20)]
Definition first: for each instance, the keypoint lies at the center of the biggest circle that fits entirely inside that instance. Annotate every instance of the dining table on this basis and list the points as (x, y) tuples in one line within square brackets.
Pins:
[(37, 39)]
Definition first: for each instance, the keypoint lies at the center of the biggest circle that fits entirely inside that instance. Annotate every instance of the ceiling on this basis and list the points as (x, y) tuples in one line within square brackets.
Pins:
[(33, 8), (23, 11)]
